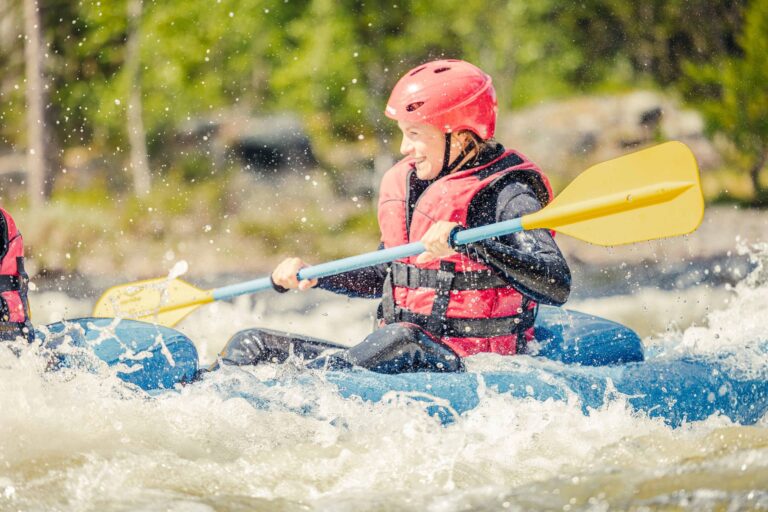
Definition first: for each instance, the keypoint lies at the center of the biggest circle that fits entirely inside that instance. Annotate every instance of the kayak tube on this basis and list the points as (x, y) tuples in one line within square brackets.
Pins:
[(677, 391), (149, 356), (572, 337), (575, 356)]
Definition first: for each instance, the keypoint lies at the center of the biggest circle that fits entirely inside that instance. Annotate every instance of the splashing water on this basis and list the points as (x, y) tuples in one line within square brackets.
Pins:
[(85, 441), (179, 269), (739, 332)]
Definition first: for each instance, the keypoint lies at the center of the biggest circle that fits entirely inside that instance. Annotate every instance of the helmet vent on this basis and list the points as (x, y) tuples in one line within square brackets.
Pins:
[(417, 70), (440, 70), (414, 106)]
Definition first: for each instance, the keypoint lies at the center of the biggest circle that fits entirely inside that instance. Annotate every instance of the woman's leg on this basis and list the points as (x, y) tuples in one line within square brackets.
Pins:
[(396, 348), (253, 346)]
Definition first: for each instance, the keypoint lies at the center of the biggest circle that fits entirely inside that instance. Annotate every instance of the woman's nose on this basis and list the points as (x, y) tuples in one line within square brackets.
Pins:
[(405, 146)]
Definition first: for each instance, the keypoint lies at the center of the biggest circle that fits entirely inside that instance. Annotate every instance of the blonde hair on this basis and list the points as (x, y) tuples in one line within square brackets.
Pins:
[(471, 146)]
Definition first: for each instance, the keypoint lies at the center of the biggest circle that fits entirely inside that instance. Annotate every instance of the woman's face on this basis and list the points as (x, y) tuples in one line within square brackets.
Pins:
[(425, 144)]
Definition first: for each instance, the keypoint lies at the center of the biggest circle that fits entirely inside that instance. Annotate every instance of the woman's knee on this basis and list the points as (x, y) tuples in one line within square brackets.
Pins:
[(404, 347), (244, 348)]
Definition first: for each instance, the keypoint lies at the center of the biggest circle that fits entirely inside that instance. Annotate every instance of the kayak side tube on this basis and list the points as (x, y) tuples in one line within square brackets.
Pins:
[(147, 355), (572, 337)]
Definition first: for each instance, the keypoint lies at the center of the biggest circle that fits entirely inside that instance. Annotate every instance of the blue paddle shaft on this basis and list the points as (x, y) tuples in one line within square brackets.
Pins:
[(368, 259)]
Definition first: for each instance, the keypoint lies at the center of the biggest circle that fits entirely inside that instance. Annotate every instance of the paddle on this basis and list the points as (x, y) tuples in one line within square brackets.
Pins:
[(653, 193)]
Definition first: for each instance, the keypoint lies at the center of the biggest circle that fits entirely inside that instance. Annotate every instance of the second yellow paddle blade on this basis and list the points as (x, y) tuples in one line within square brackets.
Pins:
[(653, 193), (162, 301)]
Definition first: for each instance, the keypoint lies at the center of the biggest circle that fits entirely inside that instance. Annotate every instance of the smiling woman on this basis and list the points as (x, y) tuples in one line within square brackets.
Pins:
[(441, 132), (425, 145), (448, 302)]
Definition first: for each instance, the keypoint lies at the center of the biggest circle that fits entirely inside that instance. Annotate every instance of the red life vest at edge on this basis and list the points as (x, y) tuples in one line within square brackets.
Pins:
[(457, 299), (14, 308)]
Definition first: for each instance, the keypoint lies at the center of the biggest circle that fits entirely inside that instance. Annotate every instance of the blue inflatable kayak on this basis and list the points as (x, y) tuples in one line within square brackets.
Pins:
[(149, 356), (576, 356)]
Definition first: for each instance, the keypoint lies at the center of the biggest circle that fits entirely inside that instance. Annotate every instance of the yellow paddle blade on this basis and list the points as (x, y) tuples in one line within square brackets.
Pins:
[(161, 301), (653, 193)]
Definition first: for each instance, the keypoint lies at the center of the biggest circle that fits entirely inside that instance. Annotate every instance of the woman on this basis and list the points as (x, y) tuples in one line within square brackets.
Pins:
[(448, 302)]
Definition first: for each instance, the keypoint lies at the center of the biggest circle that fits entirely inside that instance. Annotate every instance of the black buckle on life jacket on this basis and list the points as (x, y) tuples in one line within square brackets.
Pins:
[(443, 285), (387, 306)]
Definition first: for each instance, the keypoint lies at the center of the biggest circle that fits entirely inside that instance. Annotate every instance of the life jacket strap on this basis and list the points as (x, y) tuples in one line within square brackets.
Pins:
[(10, 283), (473, 327), (411, 276), (443, 286), (23, 286), (521, 342), (387, 305), (443, 281)]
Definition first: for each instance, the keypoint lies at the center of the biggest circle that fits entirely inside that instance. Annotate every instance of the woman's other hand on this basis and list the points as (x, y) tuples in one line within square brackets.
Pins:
[(436, 241), (286, 273)]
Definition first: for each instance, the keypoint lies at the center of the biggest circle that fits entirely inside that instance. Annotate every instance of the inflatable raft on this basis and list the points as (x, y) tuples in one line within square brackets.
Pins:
[(576, 356)]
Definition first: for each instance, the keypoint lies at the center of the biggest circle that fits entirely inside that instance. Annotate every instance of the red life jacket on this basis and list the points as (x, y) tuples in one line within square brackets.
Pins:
[(14, 308), (458, 299)]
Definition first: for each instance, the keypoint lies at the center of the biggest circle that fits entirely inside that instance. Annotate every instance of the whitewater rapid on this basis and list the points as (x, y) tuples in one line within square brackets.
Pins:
[(74, 440)]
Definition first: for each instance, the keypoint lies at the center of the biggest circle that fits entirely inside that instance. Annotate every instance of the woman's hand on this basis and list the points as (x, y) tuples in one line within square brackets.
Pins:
[(436, 241), (285, 275)]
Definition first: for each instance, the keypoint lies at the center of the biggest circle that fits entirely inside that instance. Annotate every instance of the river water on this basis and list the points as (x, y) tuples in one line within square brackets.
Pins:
[(85, 441)]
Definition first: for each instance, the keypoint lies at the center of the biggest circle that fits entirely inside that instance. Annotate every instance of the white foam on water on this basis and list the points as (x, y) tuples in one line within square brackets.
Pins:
[(84, 441), (736, 333), (80, 440)]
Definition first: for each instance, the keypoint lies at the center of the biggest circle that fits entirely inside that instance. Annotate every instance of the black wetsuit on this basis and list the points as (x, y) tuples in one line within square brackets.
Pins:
[(530, 261)]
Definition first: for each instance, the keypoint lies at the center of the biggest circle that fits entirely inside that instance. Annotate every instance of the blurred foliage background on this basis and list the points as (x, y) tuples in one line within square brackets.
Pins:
[(171, 89)]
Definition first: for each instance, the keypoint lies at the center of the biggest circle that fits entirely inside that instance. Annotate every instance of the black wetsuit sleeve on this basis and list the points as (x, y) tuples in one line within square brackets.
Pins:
[(528, 260), (364, 283)]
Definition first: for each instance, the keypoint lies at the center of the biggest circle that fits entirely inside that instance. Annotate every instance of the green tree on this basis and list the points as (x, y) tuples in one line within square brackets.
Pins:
[(649, 39), (341, 58), (731, 93), (196, 59), (334, 62)]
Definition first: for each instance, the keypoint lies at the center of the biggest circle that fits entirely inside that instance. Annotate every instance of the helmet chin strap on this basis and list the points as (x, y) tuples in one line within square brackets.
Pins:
[(448, 168), (446, 155)]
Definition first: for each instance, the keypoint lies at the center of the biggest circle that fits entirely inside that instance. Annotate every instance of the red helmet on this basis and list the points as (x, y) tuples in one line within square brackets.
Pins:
[(451, 95)]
